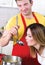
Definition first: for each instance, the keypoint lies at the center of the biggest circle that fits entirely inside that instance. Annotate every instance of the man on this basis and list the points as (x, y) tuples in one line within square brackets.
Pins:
[(25, 17), (16, 28)]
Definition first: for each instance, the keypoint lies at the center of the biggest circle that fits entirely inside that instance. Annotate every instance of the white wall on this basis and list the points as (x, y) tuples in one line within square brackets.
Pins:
[(6, 13), (39, 6), (6, 3)]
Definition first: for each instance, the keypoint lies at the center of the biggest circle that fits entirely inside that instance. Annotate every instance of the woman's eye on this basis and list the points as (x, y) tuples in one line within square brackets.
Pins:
[(30, 36)]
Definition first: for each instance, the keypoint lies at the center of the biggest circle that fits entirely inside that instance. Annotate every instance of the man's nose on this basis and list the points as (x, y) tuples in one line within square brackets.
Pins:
[(23, 7)]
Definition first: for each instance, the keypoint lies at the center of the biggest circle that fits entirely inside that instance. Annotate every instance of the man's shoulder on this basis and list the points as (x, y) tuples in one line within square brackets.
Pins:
[(40, 18), (15, 16), (12, 21), (38, 14)]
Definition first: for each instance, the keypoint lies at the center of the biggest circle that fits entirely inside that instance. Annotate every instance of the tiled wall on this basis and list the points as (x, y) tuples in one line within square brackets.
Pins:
[(7, 49)]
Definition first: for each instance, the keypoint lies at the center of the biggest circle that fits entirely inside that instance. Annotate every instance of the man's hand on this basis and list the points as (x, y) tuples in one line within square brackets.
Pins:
[(14, 30), (7, 35)]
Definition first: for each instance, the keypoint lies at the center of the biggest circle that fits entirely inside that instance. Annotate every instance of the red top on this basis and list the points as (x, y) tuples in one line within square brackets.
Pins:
[(24, 53)]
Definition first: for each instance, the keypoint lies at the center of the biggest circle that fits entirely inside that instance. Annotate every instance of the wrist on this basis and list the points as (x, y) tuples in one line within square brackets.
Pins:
[(10, 34)]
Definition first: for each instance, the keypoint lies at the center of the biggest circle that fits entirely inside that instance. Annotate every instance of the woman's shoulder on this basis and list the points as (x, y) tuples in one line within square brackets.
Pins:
[(41, 58), (43, 53)]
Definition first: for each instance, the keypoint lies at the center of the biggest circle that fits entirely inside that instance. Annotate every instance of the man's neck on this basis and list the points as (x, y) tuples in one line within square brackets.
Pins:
[(29, 16)]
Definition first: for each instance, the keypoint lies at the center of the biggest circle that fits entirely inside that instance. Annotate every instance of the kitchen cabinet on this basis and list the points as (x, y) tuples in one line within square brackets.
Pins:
[(6, 3)]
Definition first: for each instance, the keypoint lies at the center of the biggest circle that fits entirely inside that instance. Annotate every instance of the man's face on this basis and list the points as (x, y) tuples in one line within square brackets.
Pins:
[(24, 6)]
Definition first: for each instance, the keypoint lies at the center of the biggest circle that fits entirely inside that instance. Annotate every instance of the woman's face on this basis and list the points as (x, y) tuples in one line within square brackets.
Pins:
[(29, 38)]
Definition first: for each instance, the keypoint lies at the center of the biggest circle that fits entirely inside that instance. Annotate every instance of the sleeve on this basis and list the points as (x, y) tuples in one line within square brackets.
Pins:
[(11, 23), (43, 62), (41, 59)]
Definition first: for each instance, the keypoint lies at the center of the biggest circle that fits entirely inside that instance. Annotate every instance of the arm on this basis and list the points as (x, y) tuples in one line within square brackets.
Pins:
[(5, 38), (7, 35)]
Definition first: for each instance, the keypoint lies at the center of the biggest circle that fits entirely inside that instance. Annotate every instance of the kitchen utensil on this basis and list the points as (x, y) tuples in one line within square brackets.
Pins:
[(18, 41), (11, 60)]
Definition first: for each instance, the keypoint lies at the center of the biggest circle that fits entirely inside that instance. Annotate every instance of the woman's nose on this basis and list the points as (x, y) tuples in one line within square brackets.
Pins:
[(26, 37)]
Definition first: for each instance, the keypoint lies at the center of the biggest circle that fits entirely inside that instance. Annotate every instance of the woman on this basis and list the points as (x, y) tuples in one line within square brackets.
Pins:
[(35, 38), (24, 52)]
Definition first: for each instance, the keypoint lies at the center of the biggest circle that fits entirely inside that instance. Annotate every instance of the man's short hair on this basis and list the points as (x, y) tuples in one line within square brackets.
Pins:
[(19, 0)]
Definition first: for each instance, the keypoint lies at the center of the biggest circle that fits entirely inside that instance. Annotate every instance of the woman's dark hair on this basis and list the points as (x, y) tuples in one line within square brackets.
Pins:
[(38, 32)]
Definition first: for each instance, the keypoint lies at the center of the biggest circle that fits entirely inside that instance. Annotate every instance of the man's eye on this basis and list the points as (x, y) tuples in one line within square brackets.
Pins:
[(25, 3), (19, 5)]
